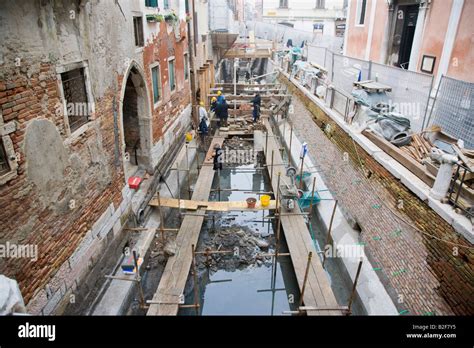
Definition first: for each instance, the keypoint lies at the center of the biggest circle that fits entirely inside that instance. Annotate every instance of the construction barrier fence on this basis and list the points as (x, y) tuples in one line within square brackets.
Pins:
[(453, 109)]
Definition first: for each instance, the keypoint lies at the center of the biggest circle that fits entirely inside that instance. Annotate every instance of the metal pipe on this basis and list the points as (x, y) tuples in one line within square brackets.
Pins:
[(308, 264), (329, 230), (351, 299), (196, 284), (271, 172)]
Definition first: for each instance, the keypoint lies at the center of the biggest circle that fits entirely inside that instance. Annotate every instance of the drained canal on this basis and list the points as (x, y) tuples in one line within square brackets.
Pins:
[(245, 281), (242, 278)]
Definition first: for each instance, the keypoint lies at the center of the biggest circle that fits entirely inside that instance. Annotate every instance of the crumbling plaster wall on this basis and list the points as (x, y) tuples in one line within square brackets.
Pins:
[(55, 167)]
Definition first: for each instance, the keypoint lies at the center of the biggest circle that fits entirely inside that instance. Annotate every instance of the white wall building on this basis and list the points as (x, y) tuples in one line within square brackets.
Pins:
[(326, 17), (222, 16)]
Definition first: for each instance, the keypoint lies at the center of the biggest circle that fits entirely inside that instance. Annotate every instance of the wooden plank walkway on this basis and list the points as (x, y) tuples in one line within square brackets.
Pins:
[(177, 268), (318, 292), (206, 205)]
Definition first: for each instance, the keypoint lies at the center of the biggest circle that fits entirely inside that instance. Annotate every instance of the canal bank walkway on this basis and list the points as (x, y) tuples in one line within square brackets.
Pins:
[(173, 281), (402, 257), (318, 294)]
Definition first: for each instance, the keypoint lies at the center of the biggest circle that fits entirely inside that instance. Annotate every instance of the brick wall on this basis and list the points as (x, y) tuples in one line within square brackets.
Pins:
[(57, 231), (171, 104), (90, 176), (433, 276)]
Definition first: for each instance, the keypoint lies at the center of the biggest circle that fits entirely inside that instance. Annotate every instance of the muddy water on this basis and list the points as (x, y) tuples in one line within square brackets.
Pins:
[(243, 285)]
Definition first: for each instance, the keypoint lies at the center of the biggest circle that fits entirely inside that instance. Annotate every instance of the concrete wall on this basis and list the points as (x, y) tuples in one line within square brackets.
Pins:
[(68, 196)]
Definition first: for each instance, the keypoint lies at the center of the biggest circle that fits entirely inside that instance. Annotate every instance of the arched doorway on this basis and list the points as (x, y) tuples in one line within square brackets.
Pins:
[(136, 125)]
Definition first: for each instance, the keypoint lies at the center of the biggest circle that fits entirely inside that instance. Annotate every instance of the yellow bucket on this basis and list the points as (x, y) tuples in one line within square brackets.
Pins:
[(189, 137), (265, 200)]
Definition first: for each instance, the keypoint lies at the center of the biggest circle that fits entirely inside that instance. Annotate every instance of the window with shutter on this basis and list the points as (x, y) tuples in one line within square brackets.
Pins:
[(172, 74), (151, 3), (186, 66), (138, 31), (155, 75), (75, 94)]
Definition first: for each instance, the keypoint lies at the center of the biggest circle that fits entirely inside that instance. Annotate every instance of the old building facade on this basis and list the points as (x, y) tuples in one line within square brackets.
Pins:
[(430, 36), (323, 17), (94, 93)]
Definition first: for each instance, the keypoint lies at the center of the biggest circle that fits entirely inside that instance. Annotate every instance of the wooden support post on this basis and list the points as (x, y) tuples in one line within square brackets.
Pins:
[(351, 299), (308, 265), (329, 230), (196, 284)]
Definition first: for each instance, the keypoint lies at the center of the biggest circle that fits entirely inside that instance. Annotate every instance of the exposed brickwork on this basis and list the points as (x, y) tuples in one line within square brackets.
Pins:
[(171, 103), (92, 178), (24, 221), (424, 270)]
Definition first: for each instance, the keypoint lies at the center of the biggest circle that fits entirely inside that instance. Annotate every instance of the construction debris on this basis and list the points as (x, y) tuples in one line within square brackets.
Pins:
[(246, 245)]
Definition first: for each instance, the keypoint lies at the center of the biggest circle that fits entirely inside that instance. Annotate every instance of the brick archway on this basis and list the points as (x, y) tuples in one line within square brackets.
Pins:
[(135, 116)]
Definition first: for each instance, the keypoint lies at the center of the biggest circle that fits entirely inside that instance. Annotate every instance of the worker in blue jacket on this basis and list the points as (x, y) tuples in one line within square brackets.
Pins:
[(257, 102)]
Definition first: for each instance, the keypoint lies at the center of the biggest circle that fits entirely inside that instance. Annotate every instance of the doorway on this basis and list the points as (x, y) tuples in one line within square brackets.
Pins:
[(136, 124), (404, 34)]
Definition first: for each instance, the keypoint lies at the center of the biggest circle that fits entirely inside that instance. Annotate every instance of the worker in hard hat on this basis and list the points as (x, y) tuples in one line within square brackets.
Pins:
[(212, 109), (222, 112), (220, 97), (203, 122), (257, 103), (217, 157), (213, 103)]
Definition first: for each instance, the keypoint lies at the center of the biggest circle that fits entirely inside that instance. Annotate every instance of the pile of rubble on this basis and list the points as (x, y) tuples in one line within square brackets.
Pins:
[(244, 248), (236, 143)]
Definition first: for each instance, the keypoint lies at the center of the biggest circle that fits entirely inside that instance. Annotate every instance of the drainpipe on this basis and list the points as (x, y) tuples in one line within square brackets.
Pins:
[(445, 172), (418, 37)]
